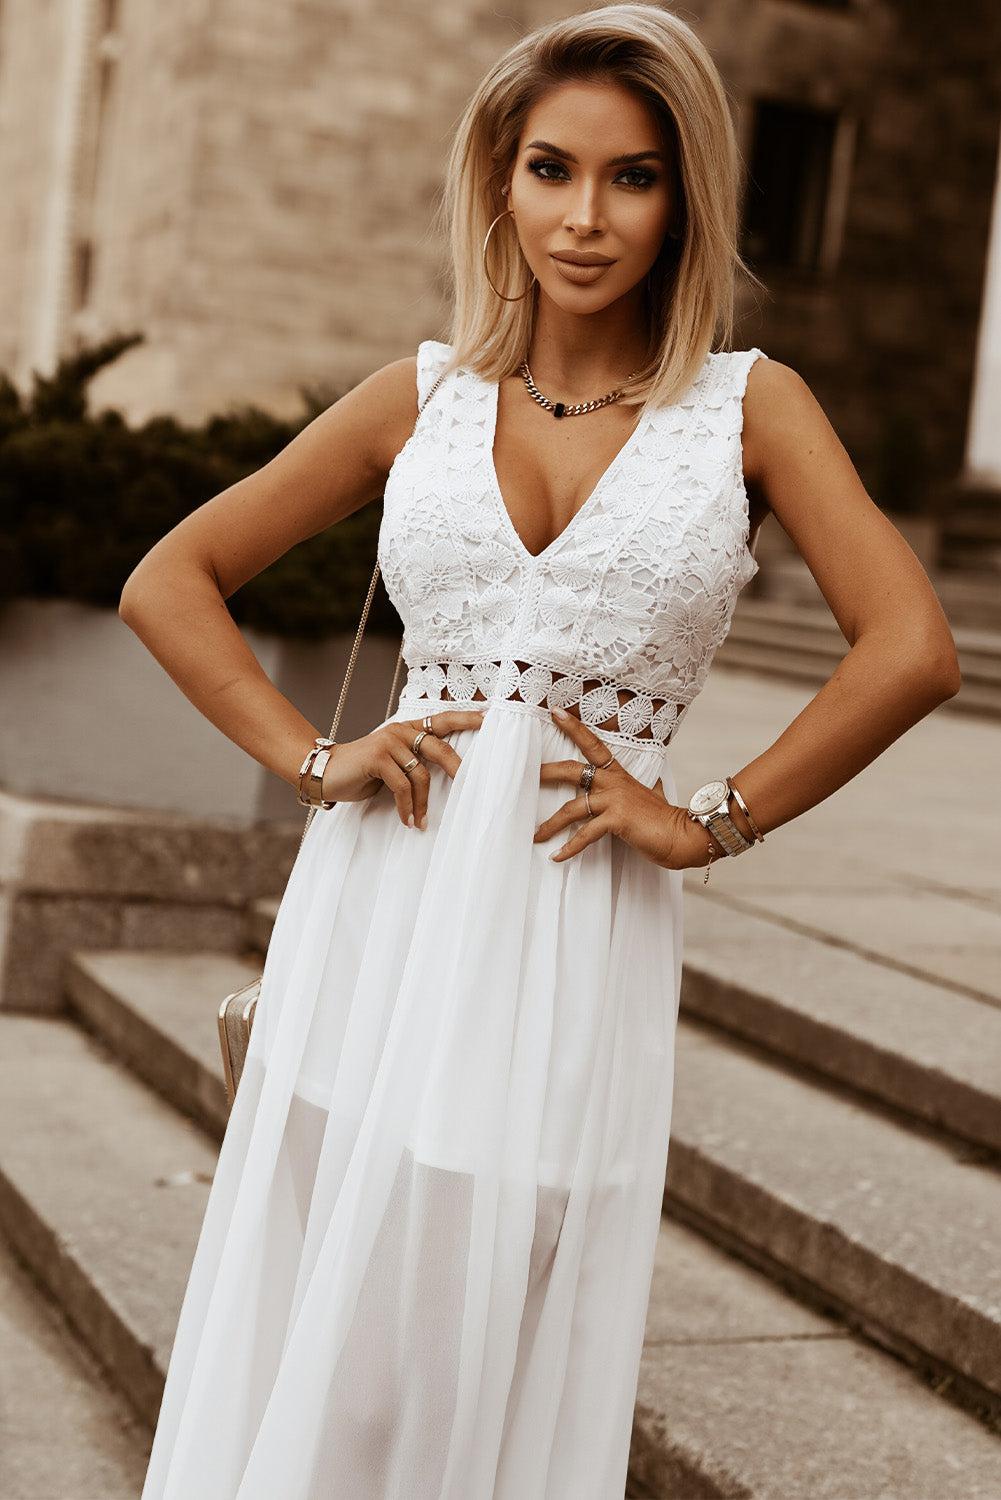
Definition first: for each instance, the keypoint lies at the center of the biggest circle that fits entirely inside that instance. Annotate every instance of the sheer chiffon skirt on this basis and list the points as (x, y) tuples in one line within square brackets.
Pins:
[(424, 1267)]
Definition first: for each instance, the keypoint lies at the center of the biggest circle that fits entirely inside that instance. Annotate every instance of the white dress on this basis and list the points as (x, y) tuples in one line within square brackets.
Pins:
[(425, 1264)]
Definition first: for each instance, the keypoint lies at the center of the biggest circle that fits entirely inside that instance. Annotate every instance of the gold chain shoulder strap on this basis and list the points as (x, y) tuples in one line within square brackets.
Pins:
[(357, 642)]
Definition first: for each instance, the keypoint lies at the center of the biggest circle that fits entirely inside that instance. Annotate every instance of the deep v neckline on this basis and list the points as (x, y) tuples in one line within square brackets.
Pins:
[(588, 504)]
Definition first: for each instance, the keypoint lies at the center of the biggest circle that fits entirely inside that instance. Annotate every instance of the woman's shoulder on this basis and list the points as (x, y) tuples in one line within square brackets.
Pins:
[(776, 400), (390, 400)]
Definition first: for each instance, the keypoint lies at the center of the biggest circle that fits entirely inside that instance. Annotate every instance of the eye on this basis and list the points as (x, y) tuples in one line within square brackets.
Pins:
[(539, 162), (646, 177)]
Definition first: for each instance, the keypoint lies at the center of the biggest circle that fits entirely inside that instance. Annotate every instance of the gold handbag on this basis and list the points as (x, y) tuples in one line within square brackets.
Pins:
[(237, 1011)]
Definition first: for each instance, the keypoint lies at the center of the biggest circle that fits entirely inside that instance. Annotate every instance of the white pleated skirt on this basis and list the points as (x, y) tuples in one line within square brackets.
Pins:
[(425, 1263)]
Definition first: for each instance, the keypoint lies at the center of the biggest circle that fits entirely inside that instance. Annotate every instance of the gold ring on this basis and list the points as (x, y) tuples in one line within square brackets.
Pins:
[(415, 762)]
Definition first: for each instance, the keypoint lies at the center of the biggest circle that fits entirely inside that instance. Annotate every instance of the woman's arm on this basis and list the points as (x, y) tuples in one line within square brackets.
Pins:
[(902, 662), (174, 599)]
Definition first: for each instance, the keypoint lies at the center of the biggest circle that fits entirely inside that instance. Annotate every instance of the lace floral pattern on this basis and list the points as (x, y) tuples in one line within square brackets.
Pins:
[(600, 705), (637, 592)]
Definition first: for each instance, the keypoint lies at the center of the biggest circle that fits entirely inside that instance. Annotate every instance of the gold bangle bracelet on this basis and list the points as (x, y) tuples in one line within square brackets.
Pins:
[(309, 792), (314, 780), (744, 809)]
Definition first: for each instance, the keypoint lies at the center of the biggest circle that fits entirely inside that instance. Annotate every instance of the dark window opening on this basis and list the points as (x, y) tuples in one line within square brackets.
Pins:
[(788, 184)]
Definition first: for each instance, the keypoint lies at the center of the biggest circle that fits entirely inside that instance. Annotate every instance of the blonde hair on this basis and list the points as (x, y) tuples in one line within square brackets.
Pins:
[(691, 285)]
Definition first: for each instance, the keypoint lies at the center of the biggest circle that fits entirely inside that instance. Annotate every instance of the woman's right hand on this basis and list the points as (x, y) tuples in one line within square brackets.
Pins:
[(358, 768)]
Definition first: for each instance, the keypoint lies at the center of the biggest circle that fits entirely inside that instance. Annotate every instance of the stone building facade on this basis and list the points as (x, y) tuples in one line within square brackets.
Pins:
[(250, 183)]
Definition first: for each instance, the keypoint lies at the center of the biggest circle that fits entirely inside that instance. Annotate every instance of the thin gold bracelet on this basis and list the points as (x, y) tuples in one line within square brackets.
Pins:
[(746, 811)]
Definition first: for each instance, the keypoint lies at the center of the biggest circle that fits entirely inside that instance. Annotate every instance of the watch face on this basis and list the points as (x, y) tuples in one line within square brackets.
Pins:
[(709, 796)]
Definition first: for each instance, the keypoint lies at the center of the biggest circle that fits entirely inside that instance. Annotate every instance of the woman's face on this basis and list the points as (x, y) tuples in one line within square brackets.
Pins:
[(571, 196)]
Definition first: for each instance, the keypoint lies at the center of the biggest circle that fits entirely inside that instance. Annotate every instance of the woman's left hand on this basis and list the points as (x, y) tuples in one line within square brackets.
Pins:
[(638, 814)]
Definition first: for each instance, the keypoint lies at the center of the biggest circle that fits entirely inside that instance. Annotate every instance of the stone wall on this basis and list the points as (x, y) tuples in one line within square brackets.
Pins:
[(267, 170), (891, 327)]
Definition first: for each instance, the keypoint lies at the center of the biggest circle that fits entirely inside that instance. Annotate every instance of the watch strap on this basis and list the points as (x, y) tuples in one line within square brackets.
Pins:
[(723, 828)]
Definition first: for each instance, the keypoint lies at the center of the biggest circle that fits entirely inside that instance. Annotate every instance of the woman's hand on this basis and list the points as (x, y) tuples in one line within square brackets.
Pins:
[(638, 814), (358, 768)]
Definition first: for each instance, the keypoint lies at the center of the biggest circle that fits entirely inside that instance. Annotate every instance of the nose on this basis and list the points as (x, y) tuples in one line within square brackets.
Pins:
[(584, 214)]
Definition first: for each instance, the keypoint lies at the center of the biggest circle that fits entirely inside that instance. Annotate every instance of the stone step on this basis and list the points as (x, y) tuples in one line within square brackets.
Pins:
[(969, 599), (885, 1221), (973, 553), (157, 1011), (104, 1195), (907, 1041), (744, 1391), (811, 1182), (789, 663), (800, 642), (815, 635), (811, 618), (66, 1435), (260, 920), (103, 1188)]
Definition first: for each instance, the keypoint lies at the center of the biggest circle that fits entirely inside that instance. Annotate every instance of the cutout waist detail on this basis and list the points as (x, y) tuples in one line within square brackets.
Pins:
[(635, 718)]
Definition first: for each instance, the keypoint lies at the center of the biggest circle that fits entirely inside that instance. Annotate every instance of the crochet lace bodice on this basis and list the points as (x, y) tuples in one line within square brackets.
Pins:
[(637, 593)]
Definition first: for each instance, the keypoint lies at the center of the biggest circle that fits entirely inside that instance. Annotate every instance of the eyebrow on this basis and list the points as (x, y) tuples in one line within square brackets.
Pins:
[(615, 161)]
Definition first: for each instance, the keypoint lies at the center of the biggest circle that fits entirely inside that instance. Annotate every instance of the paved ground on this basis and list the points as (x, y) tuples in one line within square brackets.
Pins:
[(901, 863)]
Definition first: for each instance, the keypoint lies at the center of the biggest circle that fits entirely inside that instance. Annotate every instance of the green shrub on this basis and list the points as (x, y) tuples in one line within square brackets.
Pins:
[(84, 496)]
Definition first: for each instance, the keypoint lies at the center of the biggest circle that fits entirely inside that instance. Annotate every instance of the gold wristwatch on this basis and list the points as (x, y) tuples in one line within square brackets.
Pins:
[(708, 806)]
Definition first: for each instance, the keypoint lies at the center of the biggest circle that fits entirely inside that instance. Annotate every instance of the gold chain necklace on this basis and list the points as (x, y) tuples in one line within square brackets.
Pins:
[(559, 408)]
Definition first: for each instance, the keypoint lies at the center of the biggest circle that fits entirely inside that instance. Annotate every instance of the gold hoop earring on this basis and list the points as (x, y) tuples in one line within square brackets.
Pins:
[(487, 273)]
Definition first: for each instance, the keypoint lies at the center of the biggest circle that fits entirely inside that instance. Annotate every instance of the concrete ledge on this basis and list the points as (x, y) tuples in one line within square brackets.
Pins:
[(75, 877), (908, 1042), (157, 1013), (745, 1393), (65, 1433), (102, 1193), (260, 922), (136, 740), (802, 643), (879, 1218)]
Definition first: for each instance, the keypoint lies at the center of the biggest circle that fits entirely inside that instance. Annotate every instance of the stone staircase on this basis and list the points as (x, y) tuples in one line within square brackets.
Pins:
[(64, 1432), (971, 532), (825, 1319), (799, 640)]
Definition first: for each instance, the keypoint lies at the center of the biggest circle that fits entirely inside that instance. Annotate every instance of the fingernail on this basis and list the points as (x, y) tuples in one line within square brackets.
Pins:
[(424, 822), (560, 713), (410, 821)]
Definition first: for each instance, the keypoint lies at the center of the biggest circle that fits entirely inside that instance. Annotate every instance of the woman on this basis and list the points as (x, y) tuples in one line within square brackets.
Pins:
[(425, 1263)]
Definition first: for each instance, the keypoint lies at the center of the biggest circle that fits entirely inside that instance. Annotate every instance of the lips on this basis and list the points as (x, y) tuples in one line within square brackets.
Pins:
[(581, 275), (581, 260)]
